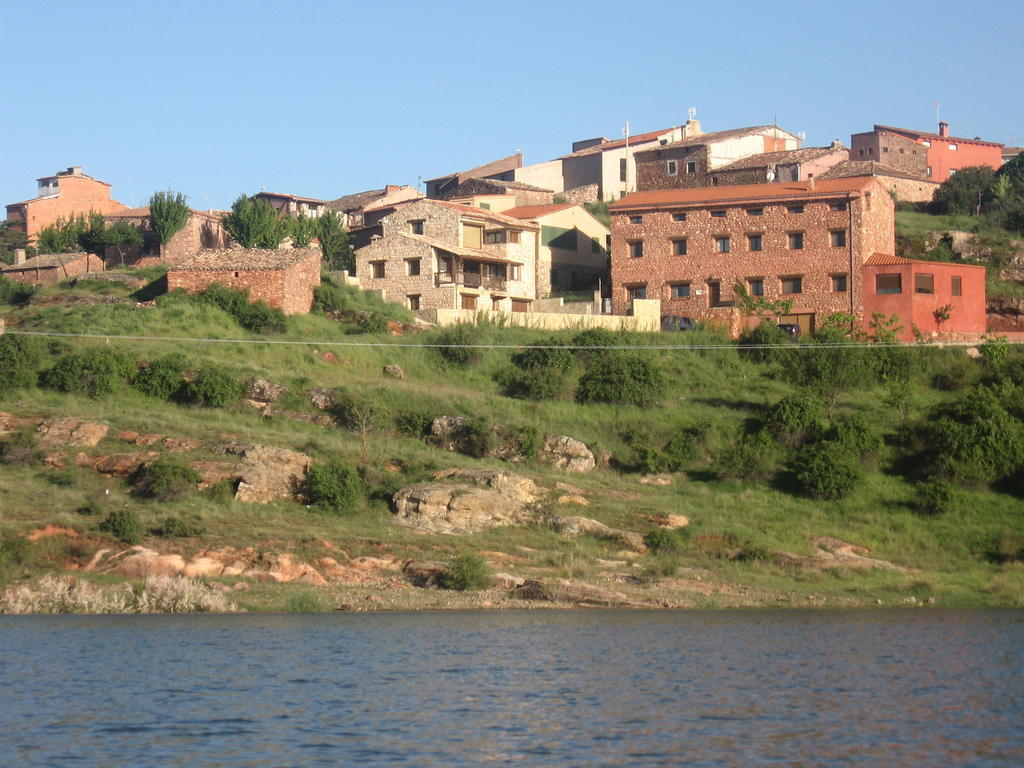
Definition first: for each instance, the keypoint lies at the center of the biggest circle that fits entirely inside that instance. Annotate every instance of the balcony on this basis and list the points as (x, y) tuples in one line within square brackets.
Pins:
[(471, 280)]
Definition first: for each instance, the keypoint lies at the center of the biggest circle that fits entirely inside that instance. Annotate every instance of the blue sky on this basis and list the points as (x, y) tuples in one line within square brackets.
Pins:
[(327, 98)]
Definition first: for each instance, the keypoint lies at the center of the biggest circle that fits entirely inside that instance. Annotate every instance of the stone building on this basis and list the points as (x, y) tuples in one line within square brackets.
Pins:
[(903, 185), (51, 268), (787, 165), (434, 254), (352, 207), (202, 230), (503, 170), (799, 241), (293, 206), (935, 156), (283, 278), (67, 194), (692, 160), (518, 192), (935, 298)]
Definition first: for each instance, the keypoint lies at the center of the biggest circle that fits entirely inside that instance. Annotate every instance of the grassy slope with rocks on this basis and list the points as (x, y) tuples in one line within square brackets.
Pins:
[(754, 538)]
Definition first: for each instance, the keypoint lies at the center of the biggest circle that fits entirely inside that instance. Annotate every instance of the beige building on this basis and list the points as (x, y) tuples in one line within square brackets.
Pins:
[(435, 254)]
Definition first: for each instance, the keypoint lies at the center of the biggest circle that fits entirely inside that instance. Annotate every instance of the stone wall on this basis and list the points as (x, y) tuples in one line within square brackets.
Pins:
[(588, 193), (647, 319), (44, 275), (201, 231), (652, 168), (891, 149)]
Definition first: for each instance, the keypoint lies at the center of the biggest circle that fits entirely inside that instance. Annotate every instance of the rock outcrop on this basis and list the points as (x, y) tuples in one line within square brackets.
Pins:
[(265, 391), (577, 525), (467, 501), (268, 473), (59, 433), (567, 453)]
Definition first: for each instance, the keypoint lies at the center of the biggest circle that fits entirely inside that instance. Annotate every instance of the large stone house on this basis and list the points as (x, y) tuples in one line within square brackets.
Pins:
[(935, 156), (435, 254), (283, 278), (202, 230), (695, 158), (902, 184), (786, 165), (801, 241), (62, 196)]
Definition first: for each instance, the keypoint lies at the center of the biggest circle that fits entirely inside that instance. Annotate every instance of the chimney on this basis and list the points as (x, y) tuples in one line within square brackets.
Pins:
[(837, 144), (944, 129), (810, 182), (692, 128), (19, 256), (75, 170)]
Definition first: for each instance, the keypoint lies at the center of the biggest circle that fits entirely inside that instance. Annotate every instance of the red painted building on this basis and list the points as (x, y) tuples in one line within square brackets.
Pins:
[(936, 156), (940, 299)]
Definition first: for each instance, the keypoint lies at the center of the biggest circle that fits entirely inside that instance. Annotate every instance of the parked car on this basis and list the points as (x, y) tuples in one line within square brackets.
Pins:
[(677, 323), (790, 329)]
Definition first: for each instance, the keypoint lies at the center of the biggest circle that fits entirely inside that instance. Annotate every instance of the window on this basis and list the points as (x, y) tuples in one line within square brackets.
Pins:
[(794, 209), (837, 207), (956, 287), (691, 167), (679, 247), (838, 237), (796, 241), (888, 284), (636, 249), (678, 217), (416, 227), (622, 169), (512, 236), (468, 301), (924, 284), (929, 170), (681, 291), (494, 237), (472, 236), (722, 244), (755, 211), (756, 287), (839, 283), (718, 214), (517, 272), (378, 269), (595, 245), (926, 143), (412, 267), (792, 285), (636, 219), (520, 305), (952, 147), (754, 242), (636, 292), (485, 206), (413, 301), (671, 168), (885, 149)]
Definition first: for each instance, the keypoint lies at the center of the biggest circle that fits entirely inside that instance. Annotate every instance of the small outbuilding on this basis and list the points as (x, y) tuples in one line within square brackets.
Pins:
[(283, 277), (51, 268)]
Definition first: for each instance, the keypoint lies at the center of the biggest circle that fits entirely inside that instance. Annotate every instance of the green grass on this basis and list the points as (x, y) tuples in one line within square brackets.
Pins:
[(911, 223)]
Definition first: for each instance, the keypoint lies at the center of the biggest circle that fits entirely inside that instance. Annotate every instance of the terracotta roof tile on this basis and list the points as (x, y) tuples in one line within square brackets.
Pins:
[(775, 158), (885, 260), (239, 259), (849, 168), (932, 136), (482, 213), (142, 211), (640, 138), (743, 192), (708, 138), (536, 211)]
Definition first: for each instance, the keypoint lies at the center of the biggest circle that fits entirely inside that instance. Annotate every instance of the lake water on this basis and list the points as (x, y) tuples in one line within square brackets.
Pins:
[(531, 688)]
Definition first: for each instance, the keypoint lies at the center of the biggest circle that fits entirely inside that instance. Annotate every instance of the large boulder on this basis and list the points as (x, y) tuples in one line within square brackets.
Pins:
[(265, 391), (577, 525), (140, 562), (58, 433), (268, 473), (467, 501), (567, 453)]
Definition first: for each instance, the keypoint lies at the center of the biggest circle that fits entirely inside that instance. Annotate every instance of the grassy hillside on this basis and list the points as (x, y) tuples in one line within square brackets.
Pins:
[(734, 469)]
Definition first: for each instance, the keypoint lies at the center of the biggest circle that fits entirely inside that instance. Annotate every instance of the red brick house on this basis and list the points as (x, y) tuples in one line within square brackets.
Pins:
[(51, 268), (936, 156), (939, 299), (202, 231), (67, 194), (799, 241), (283, 278)]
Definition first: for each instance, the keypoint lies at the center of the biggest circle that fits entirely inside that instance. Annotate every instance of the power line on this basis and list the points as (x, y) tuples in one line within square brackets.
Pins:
[(399, 345)]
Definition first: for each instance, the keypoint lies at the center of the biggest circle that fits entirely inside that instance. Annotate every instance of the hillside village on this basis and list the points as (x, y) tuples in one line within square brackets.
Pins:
[(478, 395), (672, 223)]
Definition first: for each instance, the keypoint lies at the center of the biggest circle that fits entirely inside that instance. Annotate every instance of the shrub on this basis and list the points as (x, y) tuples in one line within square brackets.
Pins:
[(957, 374), (163, 378), (181, 526), (794, 418), (20, 360), (307, 601), (214, 388), (13, 292), (465, 572), (620, 377), (853, 432), (18, 449), (164, 481), (664, 540), (478, 438), (827, 470), (933, 497), (123, 524), (746, 457), (537, 373), (372, 323), (529, 440), (256, 316), (328, 297), (333, 488), (95, 372), (454, 345), (1008, 548), (415, 423), (766, 333), (91, 508)]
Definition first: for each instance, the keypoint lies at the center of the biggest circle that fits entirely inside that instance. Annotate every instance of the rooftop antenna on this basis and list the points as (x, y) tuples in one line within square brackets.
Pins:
[(937, 104), (692, 112)]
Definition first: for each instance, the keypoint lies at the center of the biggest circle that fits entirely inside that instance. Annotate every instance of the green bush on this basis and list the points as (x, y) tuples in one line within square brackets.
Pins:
[(372, 323), (465, 572), (94, 372), (256, 316), (455, 345), (665, 540), (307, 601), (955, 374), (768, 332), (853, 432), (164, 480), (163, 378), (12, 292), (123, 524), (649, 455), (746, 457), (214, 388), (933, 497), (827, 470), (415, 423), (795, 418), (529, 441), (181, 526), (21, 357), (621, 377), (333, 488), (537, 373), (328, 297), (19, 448), (478, 438)]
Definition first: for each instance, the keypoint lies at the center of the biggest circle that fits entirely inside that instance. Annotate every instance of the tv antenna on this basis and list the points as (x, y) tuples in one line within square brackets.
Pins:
[(692, 112), (938, 105)]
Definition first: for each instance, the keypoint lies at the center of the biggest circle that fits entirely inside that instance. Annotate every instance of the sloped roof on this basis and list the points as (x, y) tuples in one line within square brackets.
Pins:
[(640, 138), (779, 158), (458, 250), (910, 132), (356, 200), (296, 198), (33, 199), (240, 259), (792, 190), (885, 260), (490, 186), (483, 213), (848, 168), (536, 211), (481, 167), (142, 212), (47, 261), (710, 138)]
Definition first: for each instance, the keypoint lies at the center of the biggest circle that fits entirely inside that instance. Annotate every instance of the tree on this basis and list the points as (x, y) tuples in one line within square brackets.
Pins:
[(301, 230), (334, 245), (255, 223), (830, 365), (61, 236), (168, 213), (759, 306), (11, 239), (120, 235), (965, 192)]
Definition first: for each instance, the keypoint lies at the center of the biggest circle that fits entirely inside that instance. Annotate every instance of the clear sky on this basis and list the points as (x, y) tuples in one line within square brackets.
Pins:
[(327, 98)]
